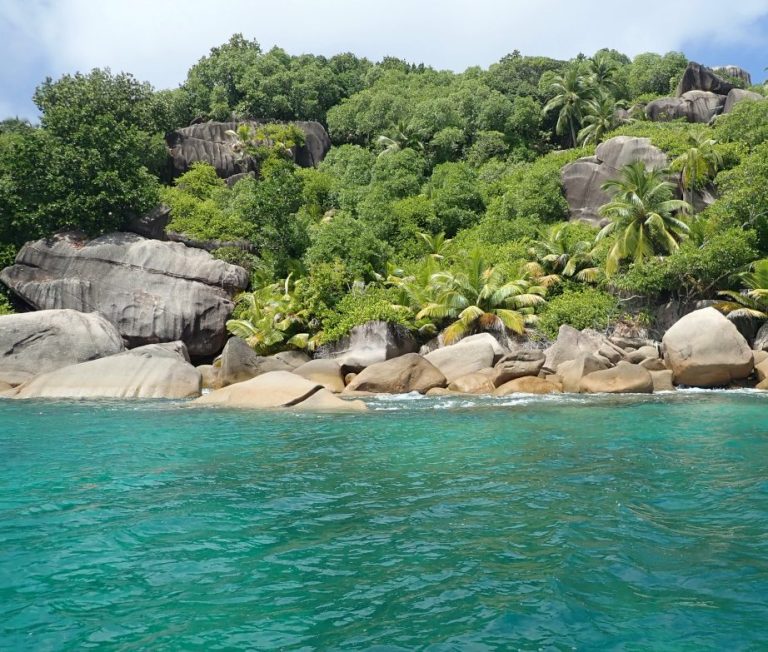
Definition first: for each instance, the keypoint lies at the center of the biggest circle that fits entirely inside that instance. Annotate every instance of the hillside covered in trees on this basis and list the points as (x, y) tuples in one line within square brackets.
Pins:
[(440, 205)]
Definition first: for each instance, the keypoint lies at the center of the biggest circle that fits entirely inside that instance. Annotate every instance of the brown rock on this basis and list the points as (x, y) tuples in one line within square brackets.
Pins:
[(517, 365), (653, 364), (474, 383), (325, 372), (704, 349), (662, 381), (239, 362), (572, 371), (323, 400), (462, 358), (528, 385), (761, 370), (211, 376), (408, 373), (625, 378)]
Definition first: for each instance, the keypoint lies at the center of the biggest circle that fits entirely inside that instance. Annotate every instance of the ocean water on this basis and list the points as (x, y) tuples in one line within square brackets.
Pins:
[(553, 523)]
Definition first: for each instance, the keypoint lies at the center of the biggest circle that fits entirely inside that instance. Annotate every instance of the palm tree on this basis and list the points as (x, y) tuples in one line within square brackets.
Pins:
[(571, 92), (556, 256), (270, 316), (600, 118), (437, 245), (402, 138), (602, 72), (642, 215), (752, 303), (699, 164), (477, 297)]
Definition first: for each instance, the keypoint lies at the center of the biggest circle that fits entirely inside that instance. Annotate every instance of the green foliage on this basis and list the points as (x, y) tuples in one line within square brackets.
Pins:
[(747, 123), (581, 308), (361, 306), (455, 196), (753, 302), (657, 74)]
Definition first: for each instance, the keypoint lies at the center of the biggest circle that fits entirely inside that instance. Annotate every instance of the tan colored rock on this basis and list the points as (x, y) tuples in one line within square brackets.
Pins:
[(325, 372), (517, 365), (662, 381), (528, 385), (463, 358), (441, 391), (653, 364), (704, 349), (349, 378), (354, 393), (151, 371), (572, 371), (323, 400), (761, 370), (474, 383), (408, 373), (273, 389), (643, 353), (624, 378), (760, 356), (240, 362), (294, 359), (571, 343), (211, 376), (763, 385)]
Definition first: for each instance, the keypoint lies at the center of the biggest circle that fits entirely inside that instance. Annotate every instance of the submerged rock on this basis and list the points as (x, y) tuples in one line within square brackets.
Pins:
[(704, 349), (152, 371), (479, 382), (529, 385), (151, 291), (278, 389), (32, 343)]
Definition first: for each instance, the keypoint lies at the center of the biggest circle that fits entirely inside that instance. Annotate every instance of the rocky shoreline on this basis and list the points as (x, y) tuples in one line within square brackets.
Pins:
[(67, 354)]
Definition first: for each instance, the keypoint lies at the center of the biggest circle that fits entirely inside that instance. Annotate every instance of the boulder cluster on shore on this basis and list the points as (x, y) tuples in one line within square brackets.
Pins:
[(64, 353)]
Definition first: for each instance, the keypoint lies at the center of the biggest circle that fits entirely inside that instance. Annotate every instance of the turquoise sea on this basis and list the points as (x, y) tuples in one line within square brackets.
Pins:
[(552, 523)]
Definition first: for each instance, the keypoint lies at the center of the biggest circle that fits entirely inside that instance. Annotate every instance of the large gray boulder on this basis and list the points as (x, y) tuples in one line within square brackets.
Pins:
[(704, 349), (209, 142), (240, 362), (572, 344), (33, 343), (408, 373), (761, 339), (463, 358), (734, 71), (740, 95), (518, 364), (700, 78), (151, 291), (367, 344), (152, 371), (278, 389), (583, 179), (694, 106)]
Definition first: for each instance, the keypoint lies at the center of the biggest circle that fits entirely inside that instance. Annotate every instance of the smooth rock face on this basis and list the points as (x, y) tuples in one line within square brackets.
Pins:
[(624, 378), (662, 380), (740, 95), (694, 106), (375, 341), (325, 400), (643, 353), (528, 385), (583, 179), (474, 383), (239, 362), (32, 343), (704, 349), (761, 339), (151, 291), (275, 389), (700, 78), (211, 376), (324, 372), (209, 143), (408, 373), (571, 372), (462, 358), (517, 365), (571, 344), (761, 371), (152, 371), (293, 359), (734, 71)]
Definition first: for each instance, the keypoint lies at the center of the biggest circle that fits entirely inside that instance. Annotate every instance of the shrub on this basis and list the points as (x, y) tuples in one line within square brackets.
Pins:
[(356, 308), (580, 308)]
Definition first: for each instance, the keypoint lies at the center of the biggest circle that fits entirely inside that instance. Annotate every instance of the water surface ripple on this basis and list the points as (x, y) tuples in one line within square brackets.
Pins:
[(448, 524)]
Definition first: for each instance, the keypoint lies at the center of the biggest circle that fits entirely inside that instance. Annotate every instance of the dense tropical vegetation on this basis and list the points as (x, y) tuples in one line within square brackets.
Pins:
[(438, 208)]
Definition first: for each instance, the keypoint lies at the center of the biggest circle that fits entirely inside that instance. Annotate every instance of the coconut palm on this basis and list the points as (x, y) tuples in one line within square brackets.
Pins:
[(478, 297), (601, 116), (555, 256), (437, 244), (402, 138), (754, 301), (642, 214), (571, 92), (698, 164), (271, 316), (602, 72)]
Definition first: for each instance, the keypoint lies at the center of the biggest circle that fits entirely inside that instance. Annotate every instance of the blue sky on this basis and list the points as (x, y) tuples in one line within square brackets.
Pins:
[(158, 40)]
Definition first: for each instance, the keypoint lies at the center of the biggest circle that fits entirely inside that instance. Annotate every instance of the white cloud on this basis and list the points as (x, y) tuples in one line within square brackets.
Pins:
[(158, 40)]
